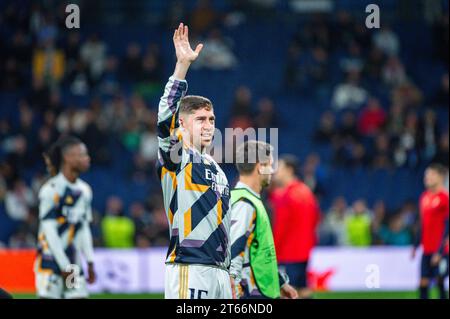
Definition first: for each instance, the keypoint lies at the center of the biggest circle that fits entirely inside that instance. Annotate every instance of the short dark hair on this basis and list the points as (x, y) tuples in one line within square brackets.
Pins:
[(250, 153), (191, 103), (54, 155), (439, 168), (292, 162)]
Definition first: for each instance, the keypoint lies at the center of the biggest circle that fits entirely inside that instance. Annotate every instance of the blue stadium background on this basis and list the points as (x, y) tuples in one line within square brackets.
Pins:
[(260, 46)]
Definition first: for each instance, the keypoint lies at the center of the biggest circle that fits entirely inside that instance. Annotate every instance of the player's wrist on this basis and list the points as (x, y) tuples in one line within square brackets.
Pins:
[(184, 62), (181, 69), (182, 66)]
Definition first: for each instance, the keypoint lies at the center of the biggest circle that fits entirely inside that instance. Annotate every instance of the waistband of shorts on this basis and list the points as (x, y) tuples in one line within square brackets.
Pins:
[(203, 265)]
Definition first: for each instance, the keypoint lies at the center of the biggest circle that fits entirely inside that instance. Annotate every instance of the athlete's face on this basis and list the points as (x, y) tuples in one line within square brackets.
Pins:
[(266, 170), (432, 178), (77, 157), (199, 126)]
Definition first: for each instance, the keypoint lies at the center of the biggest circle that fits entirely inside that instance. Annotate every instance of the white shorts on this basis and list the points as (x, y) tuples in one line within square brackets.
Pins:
[(184, 281), (49, 285)]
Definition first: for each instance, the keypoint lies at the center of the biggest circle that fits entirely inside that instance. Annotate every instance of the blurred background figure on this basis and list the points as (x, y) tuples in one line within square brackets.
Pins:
[(358, 225), (333, 228), (296, 216), (118, 230), (433, 234), (217, 54)]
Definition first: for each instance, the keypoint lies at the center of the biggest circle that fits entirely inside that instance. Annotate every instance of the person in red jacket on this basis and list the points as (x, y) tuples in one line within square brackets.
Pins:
[(372, 118), (434, 212), (296, 216)]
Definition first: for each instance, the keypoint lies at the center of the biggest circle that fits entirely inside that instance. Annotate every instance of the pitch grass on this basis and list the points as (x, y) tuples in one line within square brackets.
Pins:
[(317, 295)]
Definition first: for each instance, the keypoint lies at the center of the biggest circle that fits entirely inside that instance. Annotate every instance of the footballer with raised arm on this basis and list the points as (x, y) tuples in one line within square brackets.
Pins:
[(64, 217), (195, 190)]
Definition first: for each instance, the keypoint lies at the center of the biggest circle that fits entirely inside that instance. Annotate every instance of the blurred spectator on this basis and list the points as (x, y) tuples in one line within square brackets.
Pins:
[(241, 109), (334, 226), (96, 229), (8, 173), (440, 34), (349, 94), (348, 127), (358, 225), (115, 114), (266, 116), (395, 233), (47, 30), (131, 135), (362, 36), (79, 79), (12, 77), (118, 230), (148, 147), (72, 50), (160, 227), (407, 94), (175, 14), (203, 17), (318, 68), (387, 41), (38, 180), (409, 213), (291, 69), (382, 155), (394, 72), (3, 187), (396, 120), (348, 151), (5, 129), (406, 152), (216, 53), (93, 53), (442, 154), (151, 76), (372, 118), (314, 174), (374, 63), (132, 63), (109, 82), (55, 104), (353, 61), (39, 97), (343, 29), (72, 121), (36, 17), (441, 98), (96, 136), (429, 135), (379, 215), (22, 239), (142, 221), (48, 63), (16, 149), (326, 131), (18, 201), (20, 49)]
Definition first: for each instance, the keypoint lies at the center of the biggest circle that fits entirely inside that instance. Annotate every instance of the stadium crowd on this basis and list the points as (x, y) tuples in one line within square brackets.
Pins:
[(377, 117)]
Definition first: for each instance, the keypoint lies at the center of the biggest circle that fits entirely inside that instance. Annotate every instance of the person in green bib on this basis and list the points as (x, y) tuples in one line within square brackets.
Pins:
[(254, 268)]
